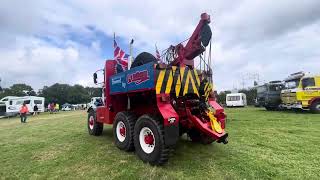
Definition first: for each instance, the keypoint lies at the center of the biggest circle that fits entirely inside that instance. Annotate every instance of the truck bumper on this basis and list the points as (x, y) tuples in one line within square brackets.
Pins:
[(291, 106)]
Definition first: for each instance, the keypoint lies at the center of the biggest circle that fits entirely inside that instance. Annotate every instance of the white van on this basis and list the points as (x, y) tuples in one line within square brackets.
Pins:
[(236, 100), (10, 105)]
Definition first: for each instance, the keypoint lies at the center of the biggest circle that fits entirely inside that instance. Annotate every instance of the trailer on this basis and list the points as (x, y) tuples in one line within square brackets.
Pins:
[(236, 100), (155, 102), (10, 105)]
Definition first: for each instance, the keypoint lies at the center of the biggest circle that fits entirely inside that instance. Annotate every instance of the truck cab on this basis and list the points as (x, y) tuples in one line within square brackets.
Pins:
[(302, 92), (268, 95)]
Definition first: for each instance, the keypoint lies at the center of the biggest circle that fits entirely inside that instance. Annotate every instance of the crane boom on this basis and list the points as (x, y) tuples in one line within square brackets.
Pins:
[(196, 44)]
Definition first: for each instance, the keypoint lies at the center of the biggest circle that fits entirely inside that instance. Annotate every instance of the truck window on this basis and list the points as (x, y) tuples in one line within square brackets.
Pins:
[(27, 101), (307, 82), (10, 102), (292, 84), (275, 88), (261, 89)]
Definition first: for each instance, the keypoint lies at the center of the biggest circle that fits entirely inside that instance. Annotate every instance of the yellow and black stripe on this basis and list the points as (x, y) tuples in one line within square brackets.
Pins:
[(178, 80)]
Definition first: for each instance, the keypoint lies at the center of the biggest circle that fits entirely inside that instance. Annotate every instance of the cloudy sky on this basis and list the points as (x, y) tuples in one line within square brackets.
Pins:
[(44, 42)]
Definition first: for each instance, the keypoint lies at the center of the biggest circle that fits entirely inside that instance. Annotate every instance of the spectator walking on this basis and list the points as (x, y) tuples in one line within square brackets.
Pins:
[(57, 107), (51, 108), (35, 110), (23, 113)]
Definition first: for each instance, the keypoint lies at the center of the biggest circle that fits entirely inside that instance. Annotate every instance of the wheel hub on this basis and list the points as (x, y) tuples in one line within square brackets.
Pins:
[(121, 131), (91, 122), (148, 139)]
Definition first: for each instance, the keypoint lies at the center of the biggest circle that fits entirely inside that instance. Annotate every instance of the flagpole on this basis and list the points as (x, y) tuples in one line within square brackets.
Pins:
[(130, 58)]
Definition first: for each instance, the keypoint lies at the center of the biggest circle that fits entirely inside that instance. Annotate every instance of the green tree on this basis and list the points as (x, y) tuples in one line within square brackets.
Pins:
[(18, 90), (64, 93), (222, 97), (251, 94)]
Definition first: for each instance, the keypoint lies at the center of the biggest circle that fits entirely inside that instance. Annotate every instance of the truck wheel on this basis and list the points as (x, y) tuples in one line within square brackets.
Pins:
[(149, 141), (315, 107), (123, 127), (268, 108), (94, 128), (197, 136), (143, 58)]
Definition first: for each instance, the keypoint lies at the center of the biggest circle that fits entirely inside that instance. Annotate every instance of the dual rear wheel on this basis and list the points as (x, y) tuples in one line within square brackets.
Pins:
[(145, 135)]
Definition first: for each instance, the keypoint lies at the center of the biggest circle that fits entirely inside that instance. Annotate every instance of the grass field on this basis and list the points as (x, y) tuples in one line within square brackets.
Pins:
[(262, 145)]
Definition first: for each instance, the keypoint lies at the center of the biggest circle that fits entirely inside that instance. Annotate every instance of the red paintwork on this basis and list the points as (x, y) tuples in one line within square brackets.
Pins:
[(123, 131), (148, 139), (91, 121), (145, 101), (166, 110), (204, 127)]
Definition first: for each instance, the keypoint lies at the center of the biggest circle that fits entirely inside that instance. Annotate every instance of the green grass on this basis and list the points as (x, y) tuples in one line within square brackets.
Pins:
[(262, 145)]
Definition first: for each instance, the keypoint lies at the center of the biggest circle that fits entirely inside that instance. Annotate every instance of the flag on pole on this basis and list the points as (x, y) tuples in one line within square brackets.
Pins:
[(158, 56), (120, 56)]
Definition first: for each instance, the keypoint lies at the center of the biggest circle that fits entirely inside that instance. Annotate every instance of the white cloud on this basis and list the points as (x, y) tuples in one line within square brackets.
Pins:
[(271, 38)]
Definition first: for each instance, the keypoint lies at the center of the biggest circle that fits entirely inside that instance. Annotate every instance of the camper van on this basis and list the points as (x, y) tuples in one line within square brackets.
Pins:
[(236, 100), (10, 105)]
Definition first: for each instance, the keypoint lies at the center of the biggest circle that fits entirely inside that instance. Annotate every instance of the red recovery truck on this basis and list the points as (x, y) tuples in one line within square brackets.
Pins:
[(152, 104)]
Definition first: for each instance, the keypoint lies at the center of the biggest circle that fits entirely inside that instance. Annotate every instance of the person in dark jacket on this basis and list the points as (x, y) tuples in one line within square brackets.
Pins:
[(35, 110)]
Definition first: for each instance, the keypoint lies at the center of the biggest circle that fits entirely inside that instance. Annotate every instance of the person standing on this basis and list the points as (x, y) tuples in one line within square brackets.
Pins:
[(35, 109), (23, 112), (51, 108), (57, 107)]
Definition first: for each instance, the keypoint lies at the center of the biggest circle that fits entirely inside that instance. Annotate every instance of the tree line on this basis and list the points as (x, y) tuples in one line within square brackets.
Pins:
[(57, 93), (77, 94)]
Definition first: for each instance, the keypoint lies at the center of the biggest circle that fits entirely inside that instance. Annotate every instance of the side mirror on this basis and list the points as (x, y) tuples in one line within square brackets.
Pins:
[(95, 77)]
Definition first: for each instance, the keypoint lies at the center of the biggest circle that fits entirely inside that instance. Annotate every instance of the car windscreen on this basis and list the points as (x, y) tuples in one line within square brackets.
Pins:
[(292, 84), (275, 87), (261, 89)]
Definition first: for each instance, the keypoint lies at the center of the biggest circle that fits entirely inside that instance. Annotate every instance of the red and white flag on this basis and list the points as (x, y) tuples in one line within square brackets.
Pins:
[(120, 56)]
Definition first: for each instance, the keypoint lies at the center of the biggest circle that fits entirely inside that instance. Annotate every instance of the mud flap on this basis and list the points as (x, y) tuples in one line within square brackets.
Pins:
[(171, 135)]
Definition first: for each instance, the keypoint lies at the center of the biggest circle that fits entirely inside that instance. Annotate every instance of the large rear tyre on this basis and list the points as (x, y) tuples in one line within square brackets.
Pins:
[(199, 137), (123, 128), (94, 128), (149, 141), (315, 107)]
